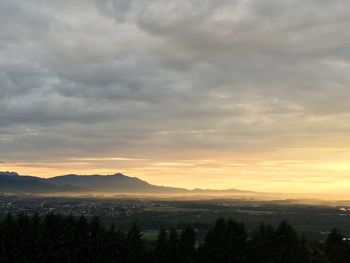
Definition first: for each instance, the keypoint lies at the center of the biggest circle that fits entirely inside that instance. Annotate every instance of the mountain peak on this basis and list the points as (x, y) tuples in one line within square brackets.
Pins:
[(7, 173), (94, 175), (118, 175)]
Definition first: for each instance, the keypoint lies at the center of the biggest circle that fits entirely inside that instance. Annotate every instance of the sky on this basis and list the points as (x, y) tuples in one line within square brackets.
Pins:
[(201, 93)]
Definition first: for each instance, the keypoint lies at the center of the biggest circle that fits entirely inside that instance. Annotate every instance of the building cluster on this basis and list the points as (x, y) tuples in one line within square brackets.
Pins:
[(74, 206)]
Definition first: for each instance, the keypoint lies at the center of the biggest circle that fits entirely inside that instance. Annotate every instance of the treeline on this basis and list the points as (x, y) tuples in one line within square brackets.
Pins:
[(57, 238)]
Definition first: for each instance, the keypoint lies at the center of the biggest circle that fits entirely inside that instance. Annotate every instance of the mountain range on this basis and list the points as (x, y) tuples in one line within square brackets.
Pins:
[(12, 182)]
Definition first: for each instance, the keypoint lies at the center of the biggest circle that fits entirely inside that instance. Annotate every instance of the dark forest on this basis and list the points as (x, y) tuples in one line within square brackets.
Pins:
[(57, 238)]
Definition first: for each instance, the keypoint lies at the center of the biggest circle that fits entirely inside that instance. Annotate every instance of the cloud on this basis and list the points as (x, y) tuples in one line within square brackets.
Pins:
[(146, 79)]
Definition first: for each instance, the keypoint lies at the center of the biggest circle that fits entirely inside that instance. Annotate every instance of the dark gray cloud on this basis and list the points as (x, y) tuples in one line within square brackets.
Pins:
[(97, 77)]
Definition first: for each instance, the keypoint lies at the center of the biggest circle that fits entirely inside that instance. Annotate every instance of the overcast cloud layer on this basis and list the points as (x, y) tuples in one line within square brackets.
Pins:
[(136, 85)]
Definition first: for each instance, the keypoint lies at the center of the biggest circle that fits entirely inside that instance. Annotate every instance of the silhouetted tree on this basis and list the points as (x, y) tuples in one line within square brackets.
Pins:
[(136, 247), (336, 248), (186, 245), (225, 242), (173, 246), (161, 253)]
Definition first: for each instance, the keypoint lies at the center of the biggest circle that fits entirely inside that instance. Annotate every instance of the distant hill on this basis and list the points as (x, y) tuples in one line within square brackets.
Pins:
[(116, 183), (11, 182)]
